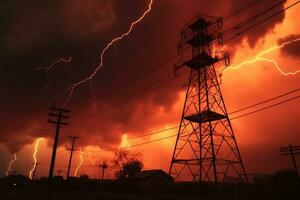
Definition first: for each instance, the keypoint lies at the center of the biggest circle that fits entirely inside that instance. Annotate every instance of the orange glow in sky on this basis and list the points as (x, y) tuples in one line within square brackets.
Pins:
[(246, 81)]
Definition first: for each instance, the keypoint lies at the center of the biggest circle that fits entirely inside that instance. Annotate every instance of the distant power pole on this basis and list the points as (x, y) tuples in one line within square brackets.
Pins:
[(291, 151), (74, 138), (103, 167), (56, 116), (59, 172), (34, 171)]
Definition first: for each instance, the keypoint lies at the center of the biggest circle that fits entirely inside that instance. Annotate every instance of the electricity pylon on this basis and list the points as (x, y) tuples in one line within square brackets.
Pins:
[(206, 149)]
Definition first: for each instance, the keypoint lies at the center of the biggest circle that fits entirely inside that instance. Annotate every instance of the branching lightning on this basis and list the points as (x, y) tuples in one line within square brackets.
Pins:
[(47, 69), (260, 58), (80, 163), (89, 78), (10, 164), (36, 148)]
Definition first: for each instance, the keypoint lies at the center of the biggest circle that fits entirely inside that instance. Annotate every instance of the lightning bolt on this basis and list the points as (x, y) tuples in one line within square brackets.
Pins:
[(47, 69), (36, 148), (260, 58), (92, 161), (89, 78), (80, 163), (10, 164)]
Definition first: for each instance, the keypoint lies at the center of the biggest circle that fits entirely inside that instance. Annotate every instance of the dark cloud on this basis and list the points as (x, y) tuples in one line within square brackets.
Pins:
[(259, 7), (135, 86), (292, 49)]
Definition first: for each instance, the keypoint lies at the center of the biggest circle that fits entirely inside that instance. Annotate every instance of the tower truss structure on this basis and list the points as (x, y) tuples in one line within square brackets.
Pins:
[(206, 149)]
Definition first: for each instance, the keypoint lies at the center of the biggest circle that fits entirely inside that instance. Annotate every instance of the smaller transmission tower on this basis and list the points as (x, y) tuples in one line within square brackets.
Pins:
[(57, 117), (291, 151)]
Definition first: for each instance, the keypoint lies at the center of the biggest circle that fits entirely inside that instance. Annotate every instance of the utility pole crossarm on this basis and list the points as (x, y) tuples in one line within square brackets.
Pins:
[(56, 115), (291, 151)]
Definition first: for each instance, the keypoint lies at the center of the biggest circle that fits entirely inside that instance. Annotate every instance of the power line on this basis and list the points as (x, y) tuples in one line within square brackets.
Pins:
[(236, 111), (150, 70), (162, 83), (242, 32), (265, 101), (267, 107), (255, 16), (263, 20), (243, 9), (244, 115), (159, 139), (135, 145), (149, 134), (238, 34)]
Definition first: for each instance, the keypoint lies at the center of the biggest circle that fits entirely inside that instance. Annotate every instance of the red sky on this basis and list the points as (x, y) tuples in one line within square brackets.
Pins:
[(132, 69)]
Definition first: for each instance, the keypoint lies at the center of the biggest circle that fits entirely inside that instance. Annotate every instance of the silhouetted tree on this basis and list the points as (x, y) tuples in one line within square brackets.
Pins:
[(127, 163), (132, 167)]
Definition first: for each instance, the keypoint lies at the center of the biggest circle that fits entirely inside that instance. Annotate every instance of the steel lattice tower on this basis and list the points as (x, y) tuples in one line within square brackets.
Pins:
[(206, 149)]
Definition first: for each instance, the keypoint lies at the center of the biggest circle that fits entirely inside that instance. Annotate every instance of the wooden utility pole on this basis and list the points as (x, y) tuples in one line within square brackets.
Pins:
[(74, 138), (291, 151), (57, 117)]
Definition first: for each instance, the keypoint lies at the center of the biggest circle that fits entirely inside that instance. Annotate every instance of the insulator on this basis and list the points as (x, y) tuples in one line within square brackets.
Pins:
[(226, 59), (220, 38)]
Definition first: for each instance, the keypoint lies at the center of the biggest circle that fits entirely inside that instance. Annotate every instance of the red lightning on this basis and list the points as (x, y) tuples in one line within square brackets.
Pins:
[(260, 58), (47, 69), (36, 148), (80, 163), (10, 164), (89, 78)]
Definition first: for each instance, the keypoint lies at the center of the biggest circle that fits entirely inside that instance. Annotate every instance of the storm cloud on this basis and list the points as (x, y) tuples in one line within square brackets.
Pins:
[(135, 90), (292, 49)]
